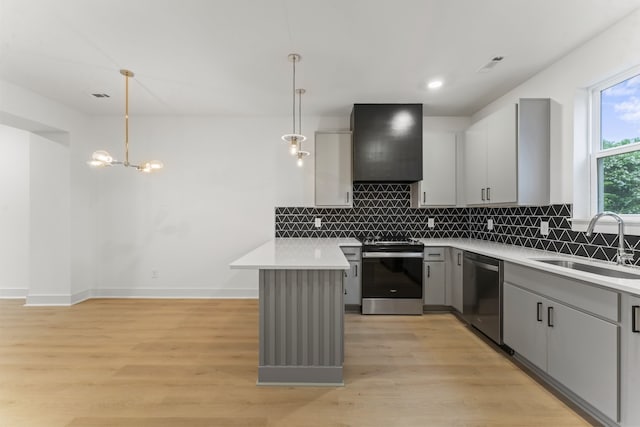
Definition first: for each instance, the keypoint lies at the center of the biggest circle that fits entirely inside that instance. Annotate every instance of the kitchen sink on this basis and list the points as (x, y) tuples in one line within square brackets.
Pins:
[(589, 268)]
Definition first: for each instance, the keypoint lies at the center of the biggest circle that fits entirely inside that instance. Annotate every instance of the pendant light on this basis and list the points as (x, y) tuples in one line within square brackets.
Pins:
[(300, 154), (294, 139), (102, 158)]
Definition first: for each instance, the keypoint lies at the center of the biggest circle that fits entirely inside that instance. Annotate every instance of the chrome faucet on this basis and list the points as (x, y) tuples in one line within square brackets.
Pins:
[(623, 256)]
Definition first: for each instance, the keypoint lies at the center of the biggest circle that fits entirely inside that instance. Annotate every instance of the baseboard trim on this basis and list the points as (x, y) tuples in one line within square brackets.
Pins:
[(78, 297), (48, 300), (13, 293), (175, 293)]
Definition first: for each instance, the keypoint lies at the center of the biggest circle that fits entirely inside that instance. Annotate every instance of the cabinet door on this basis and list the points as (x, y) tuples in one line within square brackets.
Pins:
[(475, 161), (454, 284), (434, 283), (502, 178), (352, 284), (438, 185), (524, 328), (333, 169), (583, 356), (630, 361)]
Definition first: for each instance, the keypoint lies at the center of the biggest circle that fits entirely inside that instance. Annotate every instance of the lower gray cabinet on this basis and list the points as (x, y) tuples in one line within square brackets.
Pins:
[(630, 361), (454, 279), (523, 326), (577, 349), (353, 284), (353, 276), (434, 288)]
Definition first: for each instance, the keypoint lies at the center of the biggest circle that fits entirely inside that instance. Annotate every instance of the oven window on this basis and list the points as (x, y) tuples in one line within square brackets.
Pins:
[(392, 278)]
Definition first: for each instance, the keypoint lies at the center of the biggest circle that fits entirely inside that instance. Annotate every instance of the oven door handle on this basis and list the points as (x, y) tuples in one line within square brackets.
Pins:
[(392, 255)]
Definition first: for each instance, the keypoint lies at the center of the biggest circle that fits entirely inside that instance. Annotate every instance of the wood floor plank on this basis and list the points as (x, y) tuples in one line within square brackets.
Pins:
[(193, 363)]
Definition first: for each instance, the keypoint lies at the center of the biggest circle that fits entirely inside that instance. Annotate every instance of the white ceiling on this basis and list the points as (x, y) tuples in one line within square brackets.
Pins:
[(229, 57)]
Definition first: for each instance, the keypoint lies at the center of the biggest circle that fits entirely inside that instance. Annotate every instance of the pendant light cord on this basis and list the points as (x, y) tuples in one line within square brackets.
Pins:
[(126, 122), (300, 114), (294, 94)]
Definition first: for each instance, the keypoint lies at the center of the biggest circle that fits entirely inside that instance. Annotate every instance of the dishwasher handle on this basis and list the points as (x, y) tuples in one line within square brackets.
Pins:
[(484, 265)]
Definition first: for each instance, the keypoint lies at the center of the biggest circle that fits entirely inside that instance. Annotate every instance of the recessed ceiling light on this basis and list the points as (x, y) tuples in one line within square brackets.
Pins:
[(434, 84)]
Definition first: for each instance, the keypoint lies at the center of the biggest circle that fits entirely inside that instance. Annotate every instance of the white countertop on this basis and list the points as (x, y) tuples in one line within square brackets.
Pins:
[(297, 254), (526, 256), (325, 254)]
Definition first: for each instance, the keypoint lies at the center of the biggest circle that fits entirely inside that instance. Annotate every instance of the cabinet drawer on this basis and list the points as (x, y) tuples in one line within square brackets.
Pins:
[(433, 254), (582, 295), (352, 253)]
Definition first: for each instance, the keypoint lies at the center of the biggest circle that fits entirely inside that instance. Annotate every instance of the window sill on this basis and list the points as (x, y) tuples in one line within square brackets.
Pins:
[(607, 225)]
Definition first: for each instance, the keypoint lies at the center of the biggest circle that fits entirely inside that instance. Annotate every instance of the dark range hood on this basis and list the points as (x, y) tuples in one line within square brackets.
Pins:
[(387, 142)]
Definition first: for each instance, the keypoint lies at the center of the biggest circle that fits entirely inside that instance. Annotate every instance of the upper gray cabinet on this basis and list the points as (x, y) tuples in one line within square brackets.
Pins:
[(507, 154), (438, 185), (333, 180)]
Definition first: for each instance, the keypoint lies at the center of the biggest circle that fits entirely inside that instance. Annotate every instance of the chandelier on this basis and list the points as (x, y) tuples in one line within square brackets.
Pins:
[(102, 158)]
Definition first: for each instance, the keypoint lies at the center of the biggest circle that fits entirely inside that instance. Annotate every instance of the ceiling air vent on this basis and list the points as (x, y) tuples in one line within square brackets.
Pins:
[(100, 95), (489, 65)]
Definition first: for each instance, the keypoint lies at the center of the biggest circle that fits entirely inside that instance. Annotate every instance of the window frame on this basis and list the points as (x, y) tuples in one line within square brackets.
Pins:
[(595, 139)]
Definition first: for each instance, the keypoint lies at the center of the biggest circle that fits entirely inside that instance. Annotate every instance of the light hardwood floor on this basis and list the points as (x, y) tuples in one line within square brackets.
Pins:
[(193, 363)]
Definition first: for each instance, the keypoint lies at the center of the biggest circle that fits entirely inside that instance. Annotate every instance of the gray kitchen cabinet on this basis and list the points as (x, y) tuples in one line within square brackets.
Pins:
[(523, 327), (333, 169), (582, 354), (353, 277), (438, 185), (454, 279), (434, 277), (630, 361), (507, 154), (560, 326)]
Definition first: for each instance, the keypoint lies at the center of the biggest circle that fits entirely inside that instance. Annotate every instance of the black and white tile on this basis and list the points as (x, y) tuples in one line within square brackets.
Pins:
[(386, 209), (377, 209)]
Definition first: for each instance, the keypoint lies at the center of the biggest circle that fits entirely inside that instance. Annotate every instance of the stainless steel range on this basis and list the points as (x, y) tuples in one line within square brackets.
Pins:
[(391, 275)]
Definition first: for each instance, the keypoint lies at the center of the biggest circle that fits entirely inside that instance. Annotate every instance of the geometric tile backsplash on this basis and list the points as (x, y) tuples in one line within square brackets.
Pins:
[(385, 209)]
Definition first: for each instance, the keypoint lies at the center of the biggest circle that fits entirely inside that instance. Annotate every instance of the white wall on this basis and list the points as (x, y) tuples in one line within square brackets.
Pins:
[(14, 212), (612, 52), (49, 223), (64, 131), (213, 202)]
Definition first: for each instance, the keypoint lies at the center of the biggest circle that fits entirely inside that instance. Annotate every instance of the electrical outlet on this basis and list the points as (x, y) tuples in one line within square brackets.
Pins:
[(154, 274), (318, 222), (489, 224), (431, 222), (544, 228)]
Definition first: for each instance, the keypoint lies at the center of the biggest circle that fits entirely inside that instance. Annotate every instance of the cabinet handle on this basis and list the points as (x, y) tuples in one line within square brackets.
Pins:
[(345, 274), (539, 312), (424, 197), (482, 194), (356, 266), (550, 317), (393, 291), (635, 319), (347, 197), (345, 290), (459, 258), (488, 193), (428, 271)]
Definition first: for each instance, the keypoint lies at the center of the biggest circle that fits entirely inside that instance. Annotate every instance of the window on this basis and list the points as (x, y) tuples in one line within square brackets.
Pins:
[(615, 148)]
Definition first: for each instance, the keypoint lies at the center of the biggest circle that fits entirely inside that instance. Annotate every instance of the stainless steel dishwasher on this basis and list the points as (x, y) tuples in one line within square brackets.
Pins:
[(482, 294)]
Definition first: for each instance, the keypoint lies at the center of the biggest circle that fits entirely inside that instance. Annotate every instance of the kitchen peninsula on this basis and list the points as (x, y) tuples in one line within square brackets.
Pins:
[(301, 322)]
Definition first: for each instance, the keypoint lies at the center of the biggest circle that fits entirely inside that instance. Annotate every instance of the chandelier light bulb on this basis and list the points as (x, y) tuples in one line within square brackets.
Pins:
[(293, 148), (300, 162), (102, 156)]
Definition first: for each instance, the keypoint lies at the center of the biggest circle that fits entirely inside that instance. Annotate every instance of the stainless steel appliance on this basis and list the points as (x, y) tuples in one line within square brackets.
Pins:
[(391, 275), (482, 294)]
